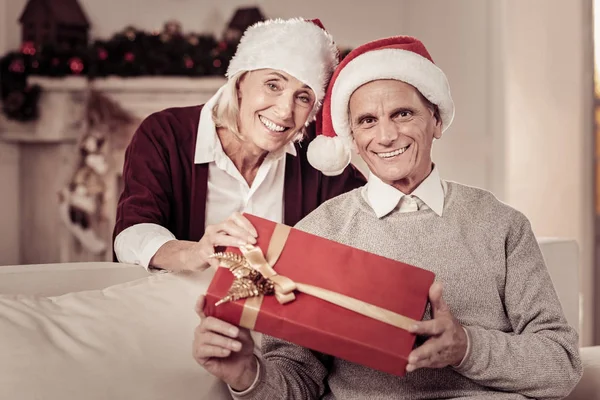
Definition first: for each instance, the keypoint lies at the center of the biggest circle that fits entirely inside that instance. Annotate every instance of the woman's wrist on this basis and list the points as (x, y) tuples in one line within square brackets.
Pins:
[(172, 256)]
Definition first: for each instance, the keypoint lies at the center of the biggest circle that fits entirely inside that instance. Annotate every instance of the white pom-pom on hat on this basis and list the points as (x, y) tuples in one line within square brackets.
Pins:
[(330, 155)]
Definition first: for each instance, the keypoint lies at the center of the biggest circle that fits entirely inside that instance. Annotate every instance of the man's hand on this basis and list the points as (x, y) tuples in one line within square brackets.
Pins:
[(224, 350), (447, 342)]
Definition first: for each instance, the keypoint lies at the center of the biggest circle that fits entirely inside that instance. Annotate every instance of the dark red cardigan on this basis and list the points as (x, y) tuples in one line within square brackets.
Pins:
[(162, 185)]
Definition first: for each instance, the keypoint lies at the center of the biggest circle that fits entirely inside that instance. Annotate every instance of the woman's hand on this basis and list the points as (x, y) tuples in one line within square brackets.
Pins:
[(224, 350), (180, 255)]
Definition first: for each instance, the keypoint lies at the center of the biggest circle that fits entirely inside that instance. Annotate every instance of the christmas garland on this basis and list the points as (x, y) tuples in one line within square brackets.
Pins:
[(128, 53)]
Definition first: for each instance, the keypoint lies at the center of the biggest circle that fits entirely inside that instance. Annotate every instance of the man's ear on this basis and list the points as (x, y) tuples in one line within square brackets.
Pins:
[(437, 130), (353, 146)]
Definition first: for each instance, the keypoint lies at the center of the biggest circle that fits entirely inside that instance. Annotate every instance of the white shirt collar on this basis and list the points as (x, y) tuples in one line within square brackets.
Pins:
[(383, 198), (208, 146)]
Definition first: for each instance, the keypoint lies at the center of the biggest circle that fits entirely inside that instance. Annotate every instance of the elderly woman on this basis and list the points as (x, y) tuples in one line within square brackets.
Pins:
[(190, 172)]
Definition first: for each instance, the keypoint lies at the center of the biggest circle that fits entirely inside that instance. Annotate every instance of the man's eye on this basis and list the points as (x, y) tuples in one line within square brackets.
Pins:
[(405, 113), (368, 121)]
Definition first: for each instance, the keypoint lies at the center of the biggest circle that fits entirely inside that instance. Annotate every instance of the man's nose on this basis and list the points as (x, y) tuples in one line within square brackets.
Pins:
[(387, 132)]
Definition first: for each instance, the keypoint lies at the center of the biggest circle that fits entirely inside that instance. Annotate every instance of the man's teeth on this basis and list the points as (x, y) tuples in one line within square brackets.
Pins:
[(272, 126), (393, 153)]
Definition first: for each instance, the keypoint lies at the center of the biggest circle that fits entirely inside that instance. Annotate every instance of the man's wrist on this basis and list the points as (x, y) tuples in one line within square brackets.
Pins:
[(248, 378), (467, 349)]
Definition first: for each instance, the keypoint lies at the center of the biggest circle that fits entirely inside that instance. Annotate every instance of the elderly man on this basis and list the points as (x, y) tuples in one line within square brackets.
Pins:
[(497, 332)]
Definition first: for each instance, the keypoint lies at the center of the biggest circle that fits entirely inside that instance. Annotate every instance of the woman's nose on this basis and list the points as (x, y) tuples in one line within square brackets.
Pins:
[(285, 106)]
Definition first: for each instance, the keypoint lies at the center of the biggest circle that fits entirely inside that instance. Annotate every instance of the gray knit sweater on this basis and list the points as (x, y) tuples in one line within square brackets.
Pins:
[(495, 282)]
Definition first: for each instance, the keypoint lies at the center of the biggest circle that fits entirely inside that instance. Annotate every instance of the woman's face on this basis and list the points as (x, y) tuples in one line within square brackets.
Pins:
[(274, 106)]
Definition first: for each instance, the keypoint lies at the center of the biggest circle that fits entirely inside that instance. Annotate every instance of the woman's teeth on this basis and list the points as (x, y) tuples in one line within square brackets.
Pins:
[(393, 153), (272, 126)]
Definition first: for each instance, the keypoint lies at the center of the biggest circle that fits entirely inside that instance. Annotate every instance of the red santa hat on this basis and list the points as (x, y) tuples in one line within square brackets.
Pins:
[(299, 47), (401, 58)]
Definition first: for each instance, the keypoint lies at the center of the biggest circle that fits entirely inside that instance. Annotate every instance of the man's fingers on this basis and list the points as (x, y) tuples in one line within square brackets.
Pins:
[(432, 327), (217, 340), (438, 304), (212, 324), (425, 356), (243, 222), (205, 352), (200, 306), (424, 352)]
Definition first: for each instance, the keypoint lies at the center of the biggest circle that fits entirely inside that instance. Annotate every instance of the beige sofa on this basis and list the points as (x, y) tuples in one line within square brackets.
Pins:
[(129, 323)]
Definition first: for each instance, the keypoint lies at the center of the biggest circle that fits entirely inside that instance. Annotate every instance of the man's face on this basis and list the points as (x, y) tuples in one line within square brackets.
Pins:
[(393, 130)]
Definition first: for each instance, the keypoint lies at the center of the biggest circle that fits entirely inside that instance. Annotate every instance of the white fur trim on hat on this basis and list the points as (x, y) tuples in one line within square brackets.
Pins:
[(402, 65), (330, 155), (295, 46)]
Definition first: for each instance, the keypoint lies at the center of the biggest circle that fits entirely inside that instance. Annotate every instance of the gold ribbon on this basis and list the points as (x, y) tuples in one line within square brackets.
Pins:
[(285, 287)]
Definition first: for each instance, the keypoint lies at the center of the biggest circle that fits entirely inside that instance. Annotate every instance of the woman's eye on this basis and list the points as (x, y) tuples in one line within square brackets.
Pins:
[(304, 99), (272, 86)]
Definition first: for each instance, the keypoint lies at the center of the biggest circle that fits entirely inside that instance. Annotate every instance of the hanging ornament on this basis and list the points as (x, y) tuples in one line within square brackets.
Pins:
[(28, 48), (188, 62), (76, 65), (129, 57), (17, 66), (102, 53)]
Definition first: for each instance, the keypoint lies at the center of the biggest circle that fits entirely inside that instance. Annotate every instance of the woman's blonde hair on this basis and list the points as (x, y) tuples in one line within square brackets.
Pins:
[(226, 112)]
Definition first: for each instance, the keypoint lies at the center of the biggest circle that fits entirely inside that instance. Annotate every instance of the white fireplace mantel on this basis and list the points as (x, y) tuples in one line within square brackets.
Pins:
[(47, 151)]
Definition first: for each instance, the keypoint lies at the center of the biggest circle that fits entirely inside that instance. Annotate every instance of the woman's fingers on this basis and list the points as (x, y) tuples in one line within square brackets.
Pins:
[(244, 223), (233, 229), (223, 239)]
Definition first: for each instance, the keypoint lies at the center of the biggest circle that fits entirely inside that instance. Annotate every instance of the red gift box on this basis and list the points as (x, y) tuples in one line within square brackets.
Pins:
[(318, 324)]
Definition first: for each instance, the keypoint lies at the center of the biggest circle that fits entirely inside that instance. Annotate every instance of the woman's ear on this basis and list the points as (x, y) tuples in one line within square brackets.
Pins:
[(238, 85)]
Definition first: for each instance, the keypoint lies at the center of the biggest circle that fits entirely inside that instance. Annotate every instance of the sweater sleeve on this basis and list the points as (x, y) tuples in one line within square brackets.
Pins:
[(540, 357), (288, 371), (147, 193)]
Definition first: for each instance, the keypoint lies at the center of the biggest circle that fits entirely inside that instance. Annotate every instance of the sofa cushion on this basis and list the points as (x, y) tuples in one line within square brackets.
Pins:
[(129, 341)]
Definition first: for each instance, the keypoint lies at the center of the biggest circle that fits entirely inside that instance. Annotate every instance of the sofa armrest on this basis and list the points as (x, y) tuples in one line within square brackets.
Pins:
[(588, 387), (60, 278)]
